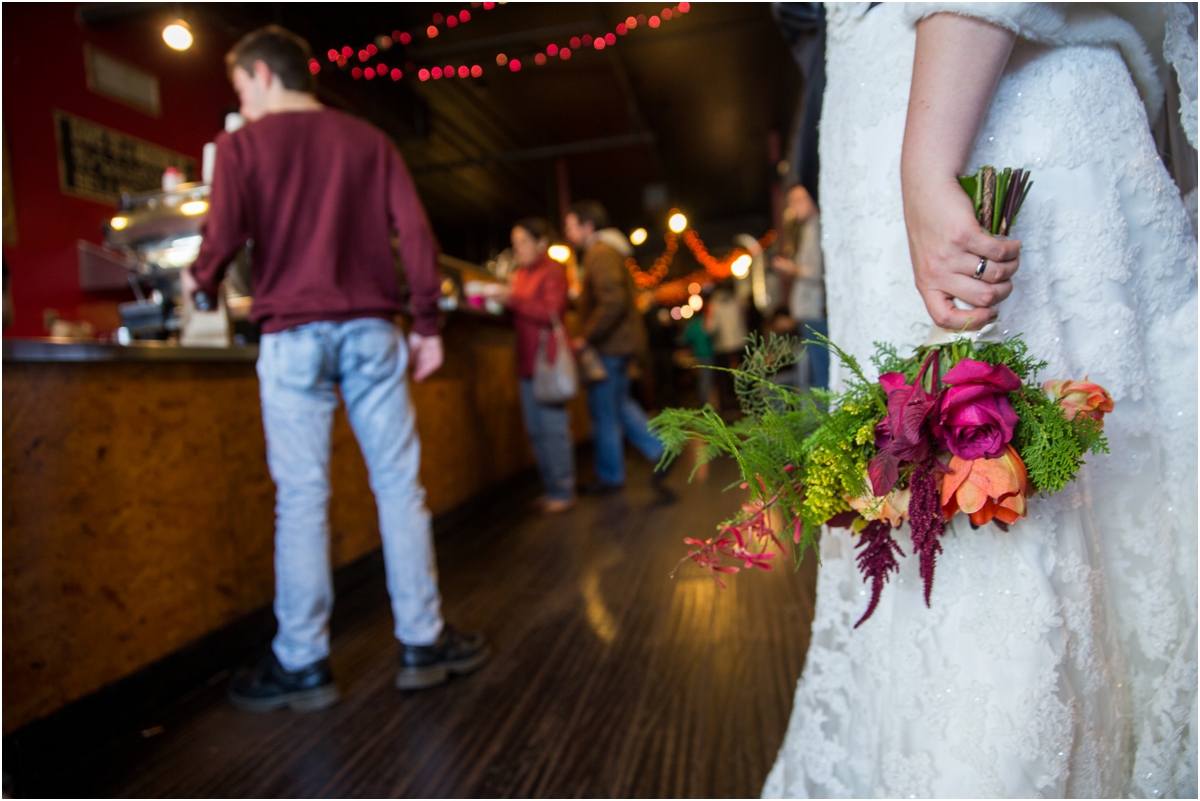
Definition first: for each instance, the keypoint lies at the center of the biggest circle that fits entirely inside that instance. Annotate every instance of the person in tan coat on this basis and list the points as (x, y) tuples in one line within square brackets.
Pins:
[(612, 325)]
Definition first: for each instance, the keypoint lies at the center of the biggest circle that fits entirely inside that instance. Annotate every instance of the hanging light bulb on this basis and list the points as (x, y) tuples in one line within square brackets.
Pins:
[(560, 253), (677, 223), (741, 266), (178, 35), (637, 236)]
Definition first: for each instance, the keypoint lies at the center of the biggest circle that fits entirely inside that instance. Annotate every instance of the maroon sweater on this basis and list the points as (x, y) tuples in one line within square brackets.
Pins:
[(539, 295), (319, 192)]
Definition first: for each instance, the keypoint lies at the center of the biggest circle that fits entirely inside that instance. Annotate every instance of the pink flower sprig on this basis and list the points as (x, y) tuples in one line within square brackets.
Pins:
[(748, 542)]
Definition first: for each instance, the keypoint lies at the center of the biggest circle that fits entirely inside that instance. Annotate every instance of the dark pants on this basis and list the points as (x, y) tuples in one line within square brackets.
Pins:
[(818, 357), (615, 417)]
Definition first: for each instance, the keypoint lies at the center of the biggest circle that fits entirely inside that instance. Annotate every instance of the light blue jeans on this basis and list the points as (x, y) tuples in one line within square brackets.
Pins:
[(298, 370), (549, 429), (614, 412)]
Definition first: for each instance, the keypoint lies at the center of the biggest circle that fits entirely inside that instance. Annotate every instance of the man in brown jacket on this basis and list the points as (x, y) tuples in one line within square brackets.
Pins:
[(613, 326)]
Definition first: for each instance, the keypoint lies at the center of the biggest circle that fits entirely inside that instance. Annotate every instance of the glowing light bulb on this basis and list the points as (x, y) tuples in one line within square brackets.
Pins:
[(118, 223), (677, 223), (560, 253), (194, 207), (741, 265), (676, 313), (686, 312), (637, 236), (177, 35), (696, 302), (694, 288)]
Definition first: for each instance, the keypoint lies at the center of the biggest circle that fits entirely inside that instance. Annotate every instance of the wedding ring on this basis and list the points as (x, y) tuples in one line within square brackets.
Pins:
[(979, 270)]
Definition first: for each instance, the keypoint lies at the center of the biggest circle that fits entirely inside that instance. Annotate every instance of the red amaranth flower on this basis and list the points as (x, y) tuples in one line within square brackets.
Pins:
[(926, 520), (877, 560)]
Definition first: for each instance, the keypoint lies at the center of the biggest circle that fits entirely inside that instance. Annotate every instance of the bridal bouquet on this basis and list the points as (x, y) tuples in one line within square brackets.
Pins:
[(959, 428)]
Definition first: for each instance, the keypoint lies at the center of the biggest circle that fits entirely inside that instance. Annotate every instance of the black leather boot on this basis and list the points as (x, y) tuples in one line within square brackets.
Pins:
[(269, 685), (423, 666)]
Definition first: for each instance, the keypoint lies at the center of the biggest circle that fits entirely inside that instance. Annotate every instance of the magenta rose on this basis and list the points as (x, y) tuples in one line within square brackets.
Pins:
[(974, 419)]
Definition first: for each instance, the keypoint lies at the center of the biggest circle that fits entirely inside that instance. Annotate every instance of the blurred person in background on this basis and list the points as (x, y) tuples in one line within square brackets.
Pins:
[(612, 325), (801, 261), (538, 301), (320, 192), (725, 322), (660, 337), (702, 349)]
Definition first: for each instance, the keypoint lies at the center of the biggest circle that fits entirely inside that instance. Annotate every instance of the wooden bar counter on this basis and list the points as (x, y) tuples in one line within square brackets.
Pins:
[(139, 514)]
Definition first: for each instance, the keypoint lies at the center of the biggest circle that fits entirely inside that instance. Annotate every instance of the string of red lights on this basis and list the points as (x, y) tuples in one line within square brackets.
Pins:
[(564, 52)]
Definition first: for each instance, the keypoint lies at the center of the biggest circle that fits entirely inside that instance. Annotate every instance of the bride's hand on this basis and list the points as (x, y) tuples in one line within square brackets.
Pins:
[(947, 244), (956, 66)]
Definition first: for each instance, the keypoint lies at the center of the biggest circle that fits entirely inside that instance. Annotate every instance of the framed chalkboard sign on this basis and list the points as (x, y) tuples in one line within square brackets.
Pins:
[(99, 163)]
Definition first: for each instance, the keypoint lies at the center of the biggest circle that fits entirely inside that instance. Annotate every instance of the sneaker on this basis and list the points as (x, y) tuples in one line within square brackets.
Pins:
[(552, 506), (424, 666), (269, 685)]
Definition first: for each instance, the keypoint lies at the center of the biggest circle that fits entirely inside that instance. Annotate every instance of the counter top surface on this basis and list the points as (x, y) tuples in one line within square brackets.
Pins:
[(51, 349), (56, 349)]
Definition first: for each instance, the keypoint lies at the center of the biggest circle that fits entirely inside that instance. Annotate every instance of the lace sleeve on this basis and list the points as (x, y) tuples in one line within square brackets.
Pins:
[(1064, 24), (1179, 48)]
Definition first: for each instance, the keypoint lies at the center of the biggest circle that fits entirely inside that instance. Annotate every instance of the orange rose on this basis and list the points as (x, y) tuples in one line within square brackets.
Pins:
[(986, 488), (1077, 397)]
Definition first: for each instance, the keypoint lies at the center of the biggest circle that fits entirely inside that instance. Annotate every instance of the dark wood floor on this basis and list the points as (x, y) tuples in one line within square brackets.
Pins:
[(608, 679)]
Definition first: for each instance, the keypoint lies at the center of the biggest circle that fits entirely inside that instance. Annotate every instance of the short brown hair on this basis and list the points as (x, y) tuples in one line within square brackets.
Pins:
[(589, 211), (285, 54)]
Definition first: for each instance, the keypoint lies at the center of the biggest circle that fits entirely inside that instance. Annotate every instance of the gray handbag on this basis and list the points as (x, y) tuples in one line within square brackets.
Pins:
[(555, 383)]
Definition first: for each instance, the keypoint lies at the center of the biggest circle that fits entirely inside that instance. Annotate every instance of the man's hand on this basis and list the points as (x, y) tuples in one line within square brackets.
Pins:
[(783, 264), (188, 284), (425, 355)]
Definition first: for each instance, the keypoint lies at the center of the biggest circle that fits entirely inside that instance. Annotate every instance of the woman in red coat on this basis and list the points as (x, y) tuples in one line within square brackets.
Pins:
[(537, 299)]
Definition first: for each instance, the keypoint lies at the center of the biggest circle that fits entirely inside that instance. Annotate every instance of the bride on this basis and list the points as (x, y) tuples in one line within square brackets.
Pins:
[(1059, 658)]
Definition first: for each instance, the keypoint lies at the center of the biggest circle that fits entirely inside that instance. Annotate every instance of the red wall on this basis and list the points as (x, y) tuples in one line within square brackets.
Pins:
[(44, 70)]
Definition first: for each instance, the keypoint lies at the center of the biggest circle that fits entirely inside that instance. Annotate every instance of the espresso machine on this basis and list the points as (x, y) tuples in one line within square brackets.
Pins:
[(159, 234)]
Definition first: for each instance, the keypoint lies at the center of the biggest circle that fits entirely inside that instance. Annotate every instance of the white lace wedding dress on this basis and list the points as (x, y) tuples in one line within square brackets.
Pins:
[(1059, 658)]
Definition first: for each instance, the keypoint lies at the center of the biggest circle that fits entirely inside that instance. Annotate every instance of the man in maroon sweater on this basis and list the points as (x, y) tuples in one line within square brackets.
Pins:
[(320, 192)]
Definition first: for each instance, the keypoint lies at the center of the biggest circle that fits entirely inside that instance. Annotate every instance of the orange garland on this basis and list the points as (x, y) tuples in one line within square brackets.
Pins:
[(675, 292)]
